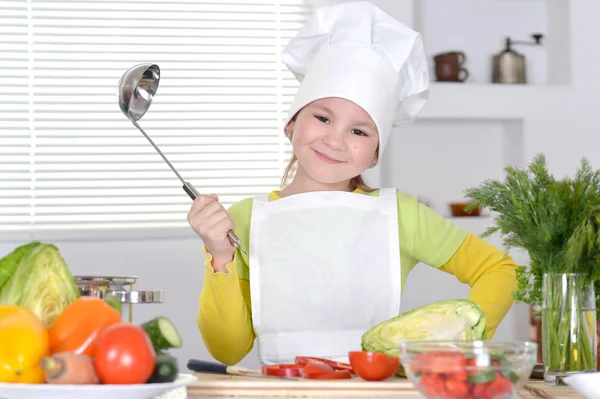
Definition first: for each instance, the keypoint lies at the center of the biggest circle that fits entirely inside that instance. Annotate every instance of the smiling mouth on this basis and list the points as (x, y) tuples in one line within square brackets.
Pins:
[(326, 159)]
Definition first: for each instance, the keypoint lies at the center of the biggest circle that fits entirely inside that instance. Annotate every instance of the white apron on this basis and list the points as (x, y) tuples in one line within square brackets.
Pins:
[(324, 268)]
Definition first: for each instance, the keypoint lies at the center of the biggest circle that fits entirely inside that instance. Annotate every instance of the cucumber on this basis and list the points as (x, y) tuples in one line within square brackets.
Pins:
[(165, 369), (482, 377), (114, 302), (511, 375), (162, 333)]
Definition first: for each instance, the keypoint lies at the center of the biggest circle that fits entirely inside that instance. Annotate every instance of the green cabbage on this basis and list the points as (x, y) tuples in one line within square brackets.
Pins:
[(444, 320), (38, 279), (9, 263)]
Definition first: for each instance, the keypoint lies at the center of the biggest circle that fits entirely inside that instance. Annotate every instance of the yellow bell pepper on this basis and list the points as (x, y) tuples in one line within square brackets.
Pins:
[(23, 343)]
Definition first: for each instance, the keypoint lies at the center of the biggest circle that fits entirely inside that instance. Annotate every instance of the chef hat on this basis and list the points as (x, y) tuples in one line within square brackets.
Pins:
[(358, 52)]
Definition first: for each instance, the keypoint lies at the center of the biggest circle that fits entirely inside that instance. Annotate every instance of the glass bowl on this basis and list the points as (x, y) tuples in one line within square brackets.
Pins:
[(468, 369)]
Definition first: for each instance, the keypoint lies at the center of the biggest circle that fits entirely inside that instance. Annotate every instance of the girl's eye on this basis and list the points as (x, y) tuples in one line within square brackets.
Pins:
[(358, 132), (322, 118)]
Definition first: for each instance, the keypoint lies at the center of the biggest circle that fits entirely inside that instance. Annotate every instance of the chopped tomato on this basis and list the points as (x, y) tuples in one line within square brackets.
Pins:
[(331, 363), (497, 388), (439, 362), (432, 384), (283, 370), (479, 391), (459, 375), (456, 389), (333, 375), (373, 366)]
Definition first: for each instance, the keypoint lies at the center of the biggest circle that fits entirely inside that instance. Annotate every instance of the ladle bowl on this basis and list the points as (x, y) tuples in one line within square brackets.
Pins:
[(136, 90)]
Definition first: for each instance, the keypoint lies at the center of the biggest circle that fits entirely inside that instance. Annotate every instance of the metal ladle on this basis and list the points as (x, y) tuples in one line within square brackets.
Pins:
[(136, 90)]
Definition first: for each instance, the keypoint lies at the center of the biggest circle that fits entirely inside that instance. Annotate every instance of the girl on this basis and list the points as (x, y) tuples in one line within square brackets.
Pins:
[(328, 255)]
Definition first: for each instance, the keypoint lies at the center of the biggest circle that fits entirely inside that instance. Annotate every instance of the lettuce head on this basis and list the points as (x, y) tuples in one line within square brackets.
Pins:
[(36, 277), (451, 320)]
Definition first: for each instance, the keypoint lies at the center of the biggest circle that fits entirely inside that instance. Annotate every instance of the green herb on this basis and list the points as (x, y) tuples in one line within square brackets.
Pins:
[(556, 221)]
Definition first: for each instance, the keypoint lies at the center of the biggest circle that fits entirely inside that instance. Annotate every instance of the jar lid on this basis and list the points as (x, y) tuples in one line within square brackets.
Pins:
[(151, 296), (103, 280)]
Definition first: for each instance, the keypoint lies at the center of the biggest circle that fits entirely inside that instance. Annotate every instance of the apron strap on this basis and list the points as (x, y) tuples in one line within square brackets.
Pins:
[(263, 198), (387, 192)]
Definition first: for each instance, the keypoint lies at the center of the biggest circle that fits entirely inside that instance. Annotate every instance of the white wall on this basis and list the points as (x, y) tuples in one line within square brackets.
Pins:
[(434, 159)]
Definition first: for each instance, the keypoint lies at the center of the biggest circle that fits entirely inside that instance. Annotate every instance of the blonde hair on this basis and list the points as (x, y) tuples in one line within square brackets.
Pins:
[(355, 183)]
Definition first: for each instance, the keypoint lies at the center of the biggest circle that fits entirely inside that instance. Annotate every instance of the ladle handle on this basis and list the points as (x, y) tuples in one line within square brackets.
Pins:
[(193, 193), (190, 190)]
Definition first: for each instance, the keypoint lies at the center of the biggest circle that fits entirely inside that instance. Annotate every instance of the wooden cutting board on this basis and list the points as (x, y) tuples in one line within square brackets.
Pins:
[(229, 385), (218, 385)]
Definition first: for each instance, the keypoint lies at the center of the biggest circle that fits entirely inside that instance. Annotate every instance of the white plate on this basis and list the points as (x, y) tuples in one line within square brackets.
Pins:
[(587, 384), (54, 391)]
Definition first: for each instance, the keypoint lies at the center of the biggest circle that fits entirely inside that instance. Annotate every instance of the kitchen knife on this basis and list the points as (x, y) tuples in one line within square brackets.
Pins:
[(203, 366)]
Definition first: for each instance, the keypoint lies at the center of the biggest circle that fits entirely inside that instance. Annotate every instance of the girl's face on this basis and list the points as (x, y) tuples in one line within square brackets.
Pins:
[(334, 140)]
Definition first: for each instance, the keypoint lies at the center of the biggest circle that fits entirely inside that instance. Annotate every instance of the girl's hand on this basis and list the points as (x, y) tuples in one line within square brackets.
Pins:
[(211, 222)]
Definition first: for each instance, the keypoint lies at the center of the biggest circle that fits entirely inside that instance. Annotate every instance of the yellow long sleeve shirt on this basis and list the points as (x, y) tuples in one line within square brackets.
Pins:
[(225, 314)]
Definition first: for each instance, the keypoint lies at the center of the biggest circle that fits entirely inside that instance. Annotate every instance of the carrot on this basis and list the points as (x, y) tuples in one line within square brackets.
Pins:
[(69, 368)]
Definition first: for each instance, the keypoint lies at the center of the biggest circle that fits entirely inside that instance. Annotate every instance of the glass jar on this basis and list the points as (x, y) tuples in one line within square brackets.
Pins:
[(568, 326)]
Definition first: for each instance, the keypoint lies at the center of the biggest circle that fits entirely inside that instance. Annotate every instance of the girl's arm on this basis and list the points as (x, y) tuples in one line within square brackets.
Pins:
[(224, 318), (490, 273)]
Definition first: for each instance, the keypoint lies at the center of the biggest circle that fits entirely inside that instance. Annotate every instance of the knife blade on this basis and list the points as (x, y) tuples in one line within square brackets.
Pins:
[(203, 366)]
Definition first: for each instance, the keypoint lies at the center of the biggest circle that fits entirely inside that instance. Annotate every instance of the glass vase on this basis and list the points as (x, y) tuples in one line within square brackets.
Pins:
[(568, 326)]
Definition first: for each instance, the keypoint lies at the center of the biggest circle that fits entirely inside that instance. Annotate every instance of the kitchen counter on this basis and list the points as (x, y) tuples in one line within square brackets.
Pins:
[(559, 392)]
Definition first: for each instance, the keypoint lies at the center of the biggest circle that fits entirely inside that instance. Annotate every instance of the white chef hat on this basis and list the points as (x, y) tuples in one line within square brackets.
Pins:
[(358, 52)]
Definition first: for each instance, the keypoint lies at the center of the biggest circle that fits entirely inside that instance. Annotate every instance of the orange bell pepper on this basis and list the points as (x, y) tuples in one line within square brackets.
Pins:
[(23, 344), (77, 328)]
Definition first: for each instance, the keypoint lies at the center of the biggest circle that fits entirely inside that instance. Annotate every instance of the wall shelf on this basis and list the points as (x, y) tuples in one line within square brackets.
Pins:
[(491, 101)]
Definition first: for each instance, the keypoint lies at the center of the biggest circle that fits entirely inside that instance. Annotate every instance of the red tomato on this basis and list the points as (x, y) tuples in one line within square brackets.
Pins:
[(373, 366), (124, 355), (332, 375), (331, 363), (312, 369), (283, 370)]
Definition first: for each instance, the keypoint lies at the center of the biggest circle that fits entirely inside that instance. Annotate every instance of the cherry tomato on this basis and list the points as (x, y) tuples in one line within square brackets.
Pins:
[(373, 366), (124, 355), (283, 370)]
